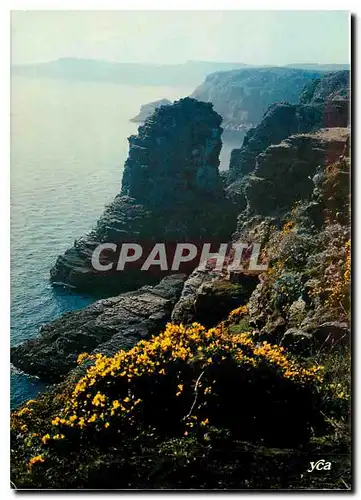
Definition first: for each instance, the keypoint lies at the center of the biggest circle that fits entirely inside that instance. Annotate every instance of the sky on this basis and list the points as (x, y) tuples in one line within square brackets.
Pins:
[(251, 37)]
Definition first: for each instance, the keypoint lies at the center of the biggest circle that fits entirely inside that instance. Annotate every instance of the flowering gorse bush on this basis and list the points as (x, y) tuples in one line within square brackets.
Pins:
[(182, 381)]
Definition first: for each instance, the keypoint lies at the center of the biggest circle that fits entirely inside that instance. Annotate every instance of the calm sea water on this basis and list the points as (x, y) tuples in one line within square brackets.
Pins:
[(69, 144)]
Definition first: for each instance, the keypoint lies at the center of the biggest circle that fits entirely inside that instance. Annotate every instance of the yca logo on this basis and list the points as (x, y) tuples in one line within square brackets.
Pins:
[(319, 465)]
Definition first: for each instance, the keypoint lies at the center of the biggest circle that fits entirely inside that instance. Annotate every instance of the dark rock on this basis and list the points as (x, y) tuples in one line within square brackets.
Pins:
[(332, 333), (297, 341), (279, 122), (334, 86), (333, 191), (175, 156), (105, 326), (208, 298), (184, 311), (147, 109), (273, 330), (235, 193)]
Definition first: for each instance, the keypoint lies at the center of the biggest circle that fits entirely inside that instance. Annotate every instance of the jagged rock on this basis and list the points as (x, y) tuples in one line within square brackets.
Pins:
[(333, 190), (147, 109), (105, 326), (279, 122), (175, 156), (297, 312), (171, 192), (325, 337), (208, 298), (254, 228), (235, 192), (310, 258), (183, 311)]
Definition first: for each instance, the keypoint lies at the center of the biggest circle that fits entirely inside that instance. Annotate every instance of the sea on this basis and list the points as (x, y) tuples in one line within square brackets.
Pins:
[(68, 147)]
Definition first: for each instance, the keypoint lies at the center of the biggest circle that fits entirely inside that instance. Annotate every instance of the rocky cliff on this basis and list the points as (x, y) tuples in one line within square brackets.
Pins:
[(171, 192)]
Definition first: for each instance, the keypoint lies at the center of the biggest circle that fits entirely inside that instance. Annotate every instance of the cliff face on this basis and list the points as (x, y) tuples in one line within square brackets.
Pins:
[(298, 209), (282, 176), (241, 97), (171, 192)]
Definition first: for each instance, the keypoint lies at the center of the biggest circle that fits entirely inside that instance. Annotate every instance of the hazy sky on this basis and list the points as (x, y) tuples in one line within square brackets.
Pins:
[(262, 37)]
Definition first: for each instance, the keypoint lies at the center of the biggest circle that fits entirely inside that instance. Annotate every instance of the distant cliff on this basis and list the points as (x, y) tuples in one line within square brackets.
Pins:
[(147, 109), (171, 192), (242, 96)]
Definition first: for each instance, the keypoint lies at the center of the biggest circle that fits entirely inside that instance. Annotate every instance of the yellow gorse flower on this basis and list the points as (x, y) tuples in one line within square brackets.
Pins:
[(45, 438), (36, 460), (82, 357)]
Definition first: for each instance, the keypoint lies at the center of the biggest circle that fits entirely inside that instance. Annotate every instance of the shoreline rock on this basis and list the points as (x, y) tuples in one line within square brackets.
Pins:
[(106, 326)]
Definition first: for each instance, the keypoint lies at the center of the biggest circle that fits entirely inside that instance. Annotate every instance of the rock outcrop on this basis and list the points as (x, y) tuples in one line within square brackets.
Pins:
[(147, 109), (175, 156), (106, 326), (208, 297), (171, 192)]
